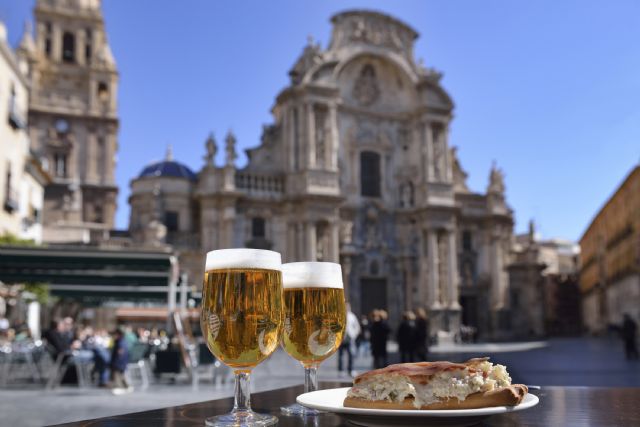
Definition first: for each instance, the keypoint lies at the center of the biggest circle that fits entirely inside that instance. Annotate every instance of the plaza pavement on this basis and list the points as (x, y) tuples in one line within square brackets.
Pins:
[(570, 361)]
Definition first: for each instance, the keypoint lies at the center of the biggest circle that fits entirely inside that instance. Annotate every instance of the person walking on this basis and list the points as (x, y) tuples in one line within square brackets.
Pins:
[(119, 361), (348, 341), (422, 335), (379, 335), (406, 337), (629, 331)]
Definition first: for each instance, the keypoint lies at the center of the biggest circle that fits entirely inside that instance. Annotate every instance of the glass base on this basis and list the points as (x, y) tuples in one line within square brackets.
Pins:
[(299, 410), (241, 419)]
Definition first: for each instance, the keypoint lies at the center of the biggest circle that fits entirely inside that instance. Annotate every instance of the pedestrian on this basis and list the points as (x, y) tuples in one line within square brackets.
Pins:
[(422, 335), (379, 335), (362, 342), (406, 337), (348, 341), (629, 331), (119, 361)]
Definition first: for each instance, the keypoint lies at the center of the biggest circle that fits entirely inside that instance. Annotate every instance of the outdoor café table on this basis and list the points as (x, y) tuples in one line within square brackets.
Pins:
[(559, 406)]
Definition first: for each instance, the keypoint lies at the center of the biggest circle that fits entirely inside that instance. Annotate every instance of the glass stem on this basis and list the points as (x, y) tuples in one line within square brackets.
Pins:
[(242, 398), (310, 378)]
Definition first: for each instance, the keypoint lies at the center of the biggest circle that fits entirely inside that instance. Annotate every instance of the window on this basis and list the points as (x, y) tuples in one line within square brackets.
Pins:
[(60, 165), (370, 174), (47, 40), (87, 46), (467, 243), (171, 221), (258, 227), (103, 91), (98, 214), (68, 47)]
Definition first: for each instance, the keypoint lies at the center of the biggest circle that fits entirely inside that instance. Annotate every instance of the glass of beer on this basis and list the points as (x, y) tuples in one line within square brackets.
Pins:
[(242, 320), (315, 318)]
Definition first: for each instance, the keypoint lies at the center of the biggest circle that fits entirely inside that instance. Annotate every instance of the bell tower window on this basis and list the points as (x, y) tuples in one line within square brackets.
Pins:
[(87, 46), (47, 39), (60, 163), (103, 91), (370, 174), (68, 47)]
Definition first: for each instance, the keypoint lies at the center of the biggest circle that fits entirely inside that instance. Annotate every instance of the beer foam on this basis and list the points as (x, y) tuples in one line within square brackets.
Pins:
[(311, 275), (243, 258)]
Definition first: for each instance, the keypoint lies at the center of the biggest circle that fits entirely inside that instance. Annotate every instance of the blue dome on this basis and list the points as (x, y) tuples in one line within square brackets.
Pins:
[(168, 168)]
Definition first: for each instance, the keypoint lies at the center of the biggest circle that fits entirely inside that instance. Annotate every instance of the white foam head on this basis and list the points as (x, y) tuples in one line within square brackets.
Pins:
[(243, 258), (312, 275)]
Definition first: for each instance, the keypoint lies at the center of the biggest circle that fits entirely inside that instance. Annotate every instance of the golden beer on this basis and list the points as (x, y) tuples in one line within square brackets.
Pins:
[(241, 315), (314, 324)]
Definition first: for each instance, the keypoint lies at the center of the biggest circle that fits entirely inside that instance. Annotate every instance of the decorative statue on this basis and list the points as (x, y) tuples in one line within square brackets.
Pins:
[(212, 149), (230, 149)]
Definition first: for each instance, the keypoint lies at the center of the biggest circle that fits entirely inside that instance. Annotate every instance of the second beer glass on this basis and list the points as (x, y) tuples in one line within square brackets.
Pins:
[(314, 318)]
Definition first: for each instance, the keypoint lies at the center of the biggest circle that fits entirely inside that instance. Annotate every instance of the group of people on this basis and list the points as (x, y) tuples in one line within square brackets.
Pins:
[(109, 352), (371, 334)]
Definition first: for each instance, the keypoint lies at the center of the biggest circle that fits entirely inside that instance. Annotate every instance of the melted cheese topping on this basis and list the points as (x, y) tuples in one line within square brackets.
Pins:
[(451, 384)]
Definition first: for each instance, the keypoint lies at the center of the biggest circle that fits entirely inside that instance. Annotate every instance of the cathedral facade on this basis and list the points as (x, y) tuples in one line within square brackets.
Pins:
[(356, 168), (73, 121)]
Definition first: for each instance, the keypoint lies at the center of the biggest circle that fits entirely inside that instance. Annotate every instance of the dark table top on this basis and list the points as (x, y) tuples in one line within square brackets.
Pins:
[(559, 406)]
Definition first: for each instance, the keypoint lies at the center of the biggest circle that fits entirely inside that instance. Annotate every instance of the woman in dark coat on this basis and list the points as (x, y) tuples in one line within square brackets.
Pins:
[(422, 335), (119, 361), (406, 337), (379, 335)]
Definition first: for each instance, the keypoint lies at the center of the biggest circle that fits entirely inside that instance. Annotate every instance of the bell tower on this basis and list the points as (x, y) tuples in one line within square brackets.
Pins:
[(73, 117)]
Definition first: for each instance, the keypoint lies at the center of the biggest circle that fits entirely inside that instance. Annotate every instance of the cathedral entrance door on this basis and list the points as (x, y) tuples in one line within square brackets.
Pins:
[(469, 310), (373, 294)]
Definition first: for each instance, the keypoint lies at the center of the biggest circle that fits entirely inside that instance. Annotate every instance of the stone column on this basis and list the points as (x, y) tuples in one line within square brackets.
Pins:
[(311, 137), (334, 254), (290, 250), (334, 142), (496, 273), (56, 42), (429, 151), (80, 41), (454, 282), (311, 241), (434, 279), (346, 274)]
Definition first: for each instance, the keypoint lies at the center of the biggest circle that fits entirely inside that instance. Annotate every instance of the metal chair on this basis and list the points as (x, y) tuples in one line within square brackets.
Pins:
[(138, 364), (62, 363)]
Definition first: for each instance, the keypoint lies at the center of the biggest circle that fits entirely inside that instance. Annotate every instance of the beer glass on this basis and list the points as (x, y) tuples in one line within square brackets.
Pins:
[(314, 319), (242, 320)]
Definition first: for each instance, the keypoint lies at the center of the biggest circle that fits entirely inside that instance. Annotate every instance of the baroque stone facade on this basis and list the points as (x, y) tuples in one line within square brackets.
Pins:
[(73, 119), (356, 168)]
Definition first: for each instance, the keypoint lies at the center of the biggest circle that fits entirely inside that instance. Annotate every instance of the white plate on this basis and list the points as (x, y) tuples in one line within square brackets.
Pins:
[(331, 401)]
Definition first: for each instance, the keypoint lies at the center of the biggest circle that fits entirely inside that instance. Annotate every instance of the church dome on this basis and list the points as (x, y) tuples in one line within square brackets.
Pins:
[(168, 168)]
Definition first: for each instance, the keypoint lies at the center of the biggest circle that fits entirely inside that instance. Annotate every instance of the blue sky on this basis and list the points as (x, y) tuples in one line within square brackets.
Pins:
[(549, 90)]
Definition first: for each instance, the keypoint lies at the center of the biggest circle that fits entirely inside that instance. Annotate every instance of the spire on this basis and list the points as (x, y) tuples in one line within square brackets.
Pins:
[(496, 180), (27, 44), (230, 148), (169, 155), (212, 149)]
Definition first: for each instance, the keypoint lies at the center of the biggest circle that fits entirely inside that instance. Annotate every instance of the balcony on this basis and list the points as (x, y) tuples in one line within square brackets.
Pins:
[(260, 185), (16, 119), (11, 201)]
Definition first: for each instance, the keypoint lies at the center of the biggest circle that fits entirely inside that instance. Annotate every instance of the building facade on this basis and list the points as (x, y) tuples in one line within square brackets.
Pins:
[(73, 120), (356, 168), (22, 177), (610, 271)]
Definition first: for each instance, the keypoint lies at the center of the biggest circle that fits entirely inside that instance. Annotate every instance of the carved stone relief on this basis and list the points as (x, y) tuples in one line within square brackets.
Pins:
[(366, 89)]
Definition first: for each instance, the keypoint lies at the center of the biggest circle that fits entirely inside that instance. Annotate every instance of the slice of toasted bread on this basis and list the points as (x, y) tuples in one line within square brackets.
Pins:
[(505, 396)]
